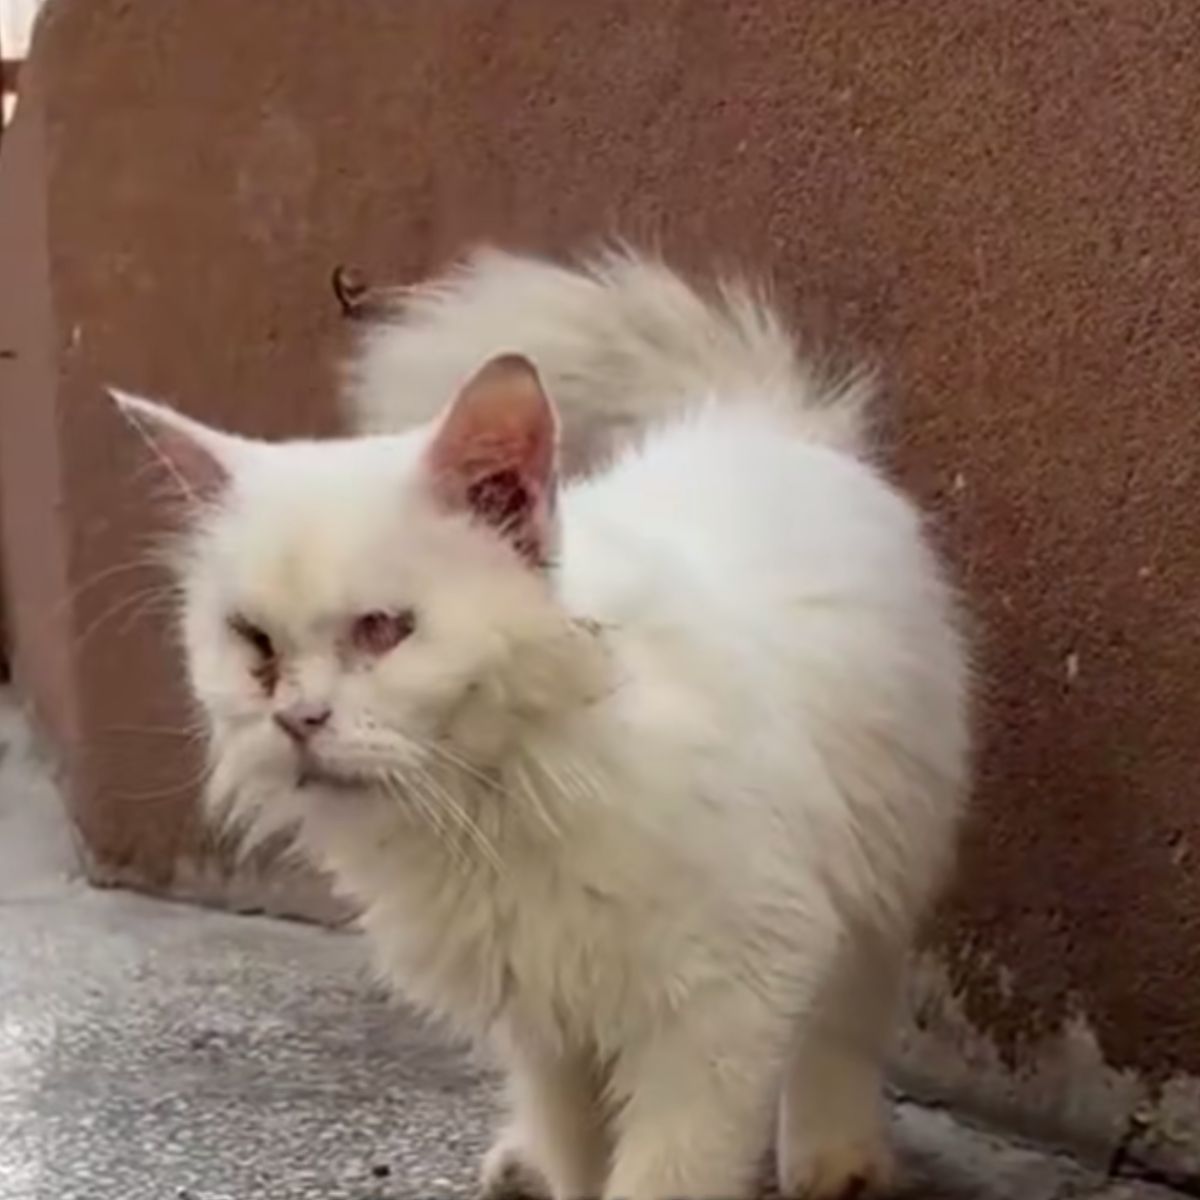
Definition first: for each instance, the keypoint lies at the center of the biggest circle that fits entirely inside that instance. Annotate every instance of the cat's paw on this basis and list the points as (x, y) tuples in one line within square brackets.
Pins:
[(837, 1172), (507, 1174)]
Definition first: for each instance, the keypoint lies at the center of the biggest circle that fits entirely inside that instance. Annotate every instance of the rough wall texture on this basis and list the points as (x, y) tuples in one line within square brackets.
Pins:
[(996, 203), (33, 502)]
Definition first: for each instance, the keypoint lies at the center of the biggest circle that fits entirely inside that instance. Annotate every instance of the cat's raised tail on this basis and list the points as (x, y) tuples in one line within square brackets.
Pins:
[(622, 343)]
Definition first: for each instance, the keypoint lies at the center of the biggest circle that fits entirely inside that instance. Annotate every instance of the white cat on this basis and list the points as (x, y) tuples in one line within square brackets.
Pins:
[(644, 781)]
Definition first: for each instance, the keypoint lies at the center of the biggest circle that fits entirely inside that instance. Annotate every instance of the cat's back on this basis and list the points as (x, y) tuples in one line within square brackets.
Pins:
[(765, 577), (781, 621), (733, 504)]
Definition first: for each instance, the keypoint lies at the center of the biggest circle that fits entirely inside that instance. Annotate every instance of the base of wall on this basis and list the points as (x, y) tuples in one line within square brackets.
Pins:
[(1059, 1091)]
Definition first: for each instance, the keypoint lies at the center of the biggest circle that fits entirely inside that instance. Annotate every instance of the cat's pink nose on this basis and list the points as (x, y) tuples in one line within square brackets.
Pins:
[(301, 720)]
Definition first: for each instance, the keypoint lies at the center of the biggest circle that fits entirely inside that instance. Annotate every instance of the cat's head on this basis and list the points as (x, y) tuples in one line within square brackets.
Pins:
[(360, 614)]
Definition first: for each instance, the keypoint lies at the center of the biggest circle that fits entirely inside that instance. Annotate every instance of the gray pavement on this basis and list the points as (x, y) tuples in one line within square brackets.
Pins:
[(151, 1051)]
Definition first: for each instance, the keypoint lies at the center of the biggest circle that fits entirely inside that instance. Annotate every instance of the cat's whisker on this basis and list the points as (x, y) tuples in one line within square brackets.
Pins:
[(152, 605), (471, 830), (189, 733), (441, 796), (441, 751), (572, 782), (134, 606), (465, 821), (142, 563), (572, 779), (411, 790), (455, 828), (192, 783), (179, 789), (531, 795)]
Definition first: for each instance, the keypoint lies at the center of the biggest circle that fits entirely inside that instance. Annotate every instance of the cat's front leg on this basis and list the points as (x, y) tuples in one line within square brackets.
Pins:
[(699, 1100), (833, 1139), (555, 1142)]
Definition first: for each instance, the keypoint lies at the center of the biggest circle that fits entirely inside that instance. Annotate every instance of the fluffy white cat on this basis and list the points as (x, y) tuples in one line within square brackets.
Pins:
[(643, 781)]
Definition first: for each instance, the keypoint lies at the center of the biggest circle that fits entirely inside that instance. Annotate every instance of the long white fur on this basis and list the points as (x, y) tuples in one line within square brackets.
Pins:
[(658, 828), (622, 343)]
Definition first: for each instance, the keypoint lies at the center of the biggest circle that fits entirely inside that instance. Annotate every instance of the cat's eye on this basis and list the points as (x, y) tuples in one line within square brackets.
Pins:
[(378, 632), (254, 637)]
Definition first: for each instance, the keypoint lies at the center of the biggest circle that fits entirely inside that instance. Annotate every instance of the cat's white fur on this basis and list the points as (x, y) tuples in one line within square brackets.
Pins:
[(622, 343), (657, 825)]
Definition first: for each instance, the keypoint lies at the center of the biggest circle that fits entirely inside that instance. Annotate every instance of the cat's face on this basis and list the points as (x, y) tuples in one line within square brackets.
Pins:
[(359, 612)]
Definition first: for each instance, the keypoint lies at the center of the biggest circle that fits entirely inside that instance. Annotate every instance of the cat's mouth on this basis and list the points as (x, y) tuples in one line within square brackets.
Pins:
[(311, 773)]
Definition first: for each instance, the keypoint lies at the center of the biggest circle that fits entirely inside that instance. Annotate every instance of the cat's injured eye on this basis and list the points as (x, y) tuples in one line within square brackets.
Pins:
[(254, 637), (378, 632), (266, 665)]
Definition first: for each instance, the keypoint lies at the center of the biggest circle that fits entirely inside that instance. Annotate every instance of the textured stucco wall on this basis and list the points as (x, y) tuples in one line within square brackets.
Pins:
[(32, 500), (994, 203)]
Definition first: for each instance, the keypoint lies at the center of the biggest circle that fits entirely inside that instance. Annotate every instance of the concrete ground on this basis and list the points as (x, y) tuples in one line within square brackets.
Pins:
[(150, 1051)]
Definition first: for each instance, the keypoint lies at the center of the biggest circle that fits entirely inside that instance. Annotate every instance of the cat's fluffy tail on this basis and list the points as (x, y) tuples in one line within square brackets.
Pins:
[(622, 343)]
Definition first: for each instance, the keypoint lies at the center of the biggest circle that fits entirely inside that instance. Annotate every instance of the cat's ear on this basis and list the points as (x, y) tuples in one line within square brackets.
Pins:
[(494, 455), (195, 459)]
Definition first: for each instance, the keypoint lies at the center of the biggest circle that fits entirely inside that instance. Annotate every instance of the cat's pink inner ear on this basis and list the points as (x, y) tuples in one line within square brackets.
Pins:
[(190, 454), (494, 454)]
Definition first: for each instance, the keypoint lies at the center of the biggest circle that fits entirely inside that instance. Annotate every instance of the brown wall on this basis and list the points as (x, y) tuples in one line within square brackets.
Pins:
[(994, 202), (32, 499)]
